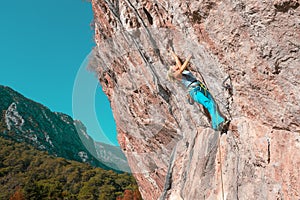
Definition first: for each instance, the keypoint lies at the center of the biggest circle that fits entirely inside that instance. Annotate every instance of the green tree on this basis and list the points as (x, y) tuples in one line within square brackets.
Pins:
[(26, 173)]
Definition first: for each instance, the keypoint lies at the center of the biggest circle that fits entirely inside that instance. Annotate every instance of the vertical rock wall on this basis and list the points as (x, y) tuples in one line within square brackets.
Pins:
[(172, 151)]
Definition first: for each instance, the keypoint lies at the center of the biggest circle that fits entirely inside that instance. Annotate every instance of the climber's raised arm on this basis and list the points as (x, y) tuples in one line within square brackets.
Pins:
[(185, 64), (176, 70), (178, 62)]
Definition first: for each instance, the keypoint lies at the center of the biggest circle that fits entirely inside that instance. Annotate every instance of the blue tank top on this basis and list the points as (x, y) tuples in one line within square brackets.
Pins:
[(187, 78)]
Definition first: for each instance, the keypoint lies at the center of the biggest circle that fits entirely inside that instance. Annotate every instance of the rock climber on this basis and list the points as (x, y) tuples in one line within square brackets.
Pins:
[(197, 91)]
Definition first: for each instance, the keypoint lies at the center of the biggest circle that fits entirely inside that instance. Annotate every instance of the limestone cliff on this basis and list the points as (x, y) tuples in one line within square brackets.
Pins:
[(171, 148)]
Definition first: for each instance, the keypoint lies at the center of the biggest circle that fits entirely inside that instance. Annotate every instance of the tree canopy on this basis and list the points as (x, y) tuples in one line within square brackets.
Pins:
[(26, 173)]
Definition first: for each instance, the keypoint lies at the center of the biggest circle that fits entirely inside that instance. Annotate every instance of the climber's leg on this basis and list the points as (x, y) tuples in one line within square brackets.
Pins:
[(217, 117), (208, 102)]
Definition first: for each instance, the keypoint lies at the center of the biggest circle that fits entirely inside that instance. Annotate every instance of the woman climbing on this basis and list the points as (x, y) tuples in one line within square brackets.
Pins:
[(197, 91)]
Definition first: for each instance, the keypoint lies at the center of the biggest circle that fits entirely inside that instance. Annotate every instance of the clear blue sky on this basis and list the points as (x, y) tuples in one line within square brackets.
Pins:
[(42, 47)]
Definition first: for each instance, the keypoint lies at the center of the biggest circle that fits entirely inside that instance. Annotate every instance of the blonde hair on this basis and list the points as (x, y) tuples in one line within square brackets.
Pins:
[(170, 74)]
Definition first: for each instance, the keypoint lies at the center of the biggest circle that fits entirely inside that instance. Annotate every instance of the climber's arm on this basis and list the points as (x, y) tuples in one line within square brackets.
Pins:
[(185, 64), (178, 63), (177, 74)]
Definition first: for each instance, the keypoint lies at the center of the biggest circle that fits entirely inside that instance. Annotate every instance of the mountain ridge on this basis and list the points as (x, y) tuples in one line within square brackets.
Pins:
[(25, 120)]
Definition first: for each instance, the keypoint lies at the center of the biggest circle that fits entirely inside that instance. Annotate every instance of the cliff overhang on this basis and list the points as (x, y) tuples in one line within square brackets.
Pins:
[(171, 149)]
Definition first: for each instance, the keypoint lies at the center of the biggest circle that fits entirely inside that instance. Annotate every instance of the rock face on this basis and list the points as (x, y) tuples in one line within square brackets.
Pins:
[(171, 148)]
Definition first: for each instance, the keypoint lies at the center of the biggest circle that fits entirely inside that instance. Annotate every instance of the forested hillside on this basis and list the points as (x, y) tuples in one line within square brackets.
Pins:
[(24, 120), (26, 173)]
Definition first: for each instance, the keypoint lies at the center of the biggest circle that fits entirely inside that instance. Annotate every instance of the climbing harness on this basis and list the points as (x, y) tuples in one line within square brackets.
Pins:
[(196, 84)]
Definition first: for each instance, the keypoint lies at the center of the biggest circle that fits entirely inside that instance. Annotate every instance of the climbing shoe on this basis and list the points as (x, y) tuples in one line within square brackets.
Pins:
[(223, 127)]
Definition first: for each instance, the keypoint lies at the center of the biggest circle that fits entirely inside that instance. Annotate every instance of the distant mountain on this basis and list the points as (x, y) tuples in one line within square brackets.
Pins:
[(112, 156), (24, 120)]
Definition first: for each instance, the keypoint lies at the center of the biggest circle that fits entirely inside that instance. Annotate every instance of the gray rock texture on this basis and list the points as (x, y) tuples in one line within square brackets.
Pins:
[(171, 149)]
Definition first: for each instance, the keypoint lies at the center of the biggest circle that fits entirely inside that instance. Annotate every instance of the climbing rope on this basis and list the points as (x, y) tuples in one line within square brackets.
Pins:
[(219, 147), (221, 171)]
